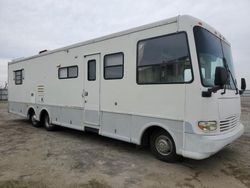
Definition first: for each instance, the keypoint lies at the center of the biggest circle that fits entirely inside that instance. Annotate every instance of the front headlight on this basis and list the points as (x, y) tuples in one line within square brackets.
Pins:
[(207, 126)]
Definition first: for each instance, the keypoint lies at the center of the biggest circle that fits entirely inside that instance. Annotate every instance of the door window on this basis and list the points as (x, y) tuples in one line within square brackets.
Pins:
[(91, 70)]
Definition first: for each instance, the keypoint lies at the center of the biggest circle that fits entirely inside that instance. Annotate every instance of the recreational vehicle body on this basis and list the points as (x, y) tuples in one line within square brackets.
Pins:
[(169, 84)]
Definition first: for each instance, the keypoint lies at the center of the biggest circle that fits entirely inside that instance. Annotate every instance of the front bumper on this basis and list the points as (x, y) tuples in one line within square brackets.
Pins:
[(200, 146)]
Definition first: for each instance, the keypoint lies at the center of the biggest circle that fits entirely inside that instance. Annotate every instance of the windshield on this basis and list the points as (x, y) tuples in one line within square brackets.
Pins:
[(211, 50)]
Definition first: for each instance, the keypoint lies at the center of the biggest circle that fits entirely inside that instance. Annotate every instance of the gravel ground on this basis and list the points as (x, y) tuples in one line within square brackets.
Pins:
[(33, 157)]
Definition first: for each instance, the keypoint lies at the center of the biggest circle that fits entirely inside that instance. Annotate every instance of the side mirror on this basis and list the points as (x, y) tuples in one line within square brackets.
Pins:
[(243, 86), (221, 76)]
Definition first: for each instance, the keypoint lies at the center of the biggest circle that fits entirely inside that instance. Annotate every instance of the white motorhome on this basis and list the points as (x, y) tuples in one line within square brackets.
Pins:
[(170, 85)]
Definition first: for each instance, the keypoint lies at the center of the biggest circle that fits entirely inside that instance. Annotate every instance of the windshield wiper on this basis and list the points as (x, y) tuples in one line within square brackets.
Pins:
[(230, 75)]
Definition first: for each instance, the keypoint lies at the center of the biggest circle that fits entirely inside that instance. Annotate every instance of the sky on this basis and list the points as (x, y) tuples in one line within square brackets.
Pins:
[(27, 27)]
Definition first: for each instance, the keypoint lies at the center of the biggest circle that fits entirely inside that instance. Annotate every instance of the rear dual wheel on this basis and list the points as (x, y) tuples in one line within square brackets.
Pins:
[(32, 119), (45, 121), (47, 124)]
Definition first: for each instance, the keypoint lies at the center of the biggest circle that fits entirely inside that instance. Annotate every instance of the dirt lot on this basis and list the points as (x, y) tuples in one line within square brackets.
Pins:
[(33, 157)]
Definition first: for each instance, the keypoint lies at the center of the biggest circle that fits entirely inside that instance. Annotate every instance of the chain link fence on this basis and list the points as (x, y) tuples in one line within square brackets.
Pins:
[(246, 93), (245, 110)]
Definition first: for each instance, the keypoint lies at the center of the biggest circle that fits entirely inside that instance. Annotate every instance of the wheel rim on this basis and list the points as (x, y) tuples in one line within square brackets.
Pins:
[(163, 145), (33, 119)]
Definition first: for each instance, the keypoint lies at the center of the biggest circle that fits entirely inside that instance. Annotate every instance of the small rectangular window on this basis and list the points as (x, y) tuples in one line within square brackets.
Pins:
[(18, 77), (72, 72), (68, 72), (92, 70), (164, 60), (113, 66), (63, 72)]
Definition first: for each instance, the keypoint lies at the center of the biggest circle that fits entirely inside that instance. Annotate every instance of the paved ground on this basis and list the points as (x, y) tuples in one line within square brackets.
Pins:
[(33, 157)]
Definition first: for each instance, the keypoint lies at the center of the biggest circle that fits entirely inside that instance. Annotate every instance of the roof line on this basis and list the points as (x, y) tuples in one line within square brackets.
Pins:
[(99, 39)]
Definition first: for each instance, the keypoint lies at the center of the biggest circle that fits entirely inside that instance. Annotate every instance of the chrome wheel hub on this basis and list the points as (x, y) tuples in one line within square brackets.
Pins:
[(163, 145)]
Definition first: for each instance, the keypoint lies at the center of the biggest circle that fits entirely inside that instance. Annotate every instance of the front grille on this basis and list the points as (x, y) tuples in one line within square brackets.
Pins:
[(229, 123)]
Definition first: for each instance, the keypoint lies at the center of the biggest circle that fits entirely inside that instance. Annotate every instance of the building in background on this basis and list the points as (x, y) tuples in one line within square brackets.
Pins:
[(4, 93)]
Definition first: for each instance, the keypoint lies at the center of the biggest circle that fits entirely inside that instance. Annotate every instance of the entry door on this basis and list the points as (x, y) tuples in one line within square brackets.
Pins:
[(91, 91)]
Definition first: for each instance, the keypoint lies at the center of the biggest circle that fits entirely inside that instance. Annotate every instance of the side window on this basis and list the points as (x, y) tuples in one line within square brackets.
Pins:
[(113, 66), (63, 73), (18, 77), (164, 60), (72, 72), (91, 70), (68, 72)]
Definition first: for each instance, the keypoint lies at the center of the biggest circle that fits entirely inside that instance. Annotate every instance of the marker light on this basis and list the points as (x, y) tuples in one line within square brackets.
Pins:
[(200, 23), (207, 126)]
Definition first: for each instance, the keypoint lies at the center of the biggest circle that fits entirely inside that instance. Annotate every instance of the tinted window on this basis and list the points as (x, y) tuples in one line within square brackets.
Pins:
[(210, 51), (92, 70), (163, 59), (113, 66), (68, 72), (113, 72), (18, 77)]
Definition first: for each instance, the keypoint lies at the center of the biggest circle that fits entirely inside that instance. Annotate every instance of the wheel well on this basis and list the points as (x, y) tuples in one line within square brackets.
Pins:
[(147, 133), (43, 114), (30, 111)]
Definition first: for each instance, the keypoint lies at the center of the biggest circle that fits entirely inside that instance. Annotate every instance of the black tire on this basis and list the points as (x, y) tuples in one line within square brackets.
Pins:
[(32, 119), (46, 122), (163, 147), (29, 117)]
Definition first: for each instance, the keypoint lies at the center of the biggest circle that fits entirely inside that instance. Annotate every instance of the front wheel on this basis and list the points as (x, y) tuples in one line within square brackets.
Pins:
[(163, 147)]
